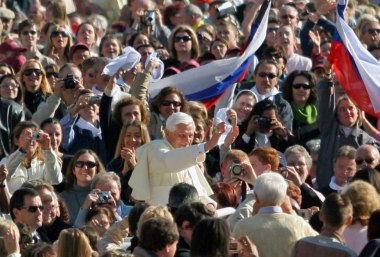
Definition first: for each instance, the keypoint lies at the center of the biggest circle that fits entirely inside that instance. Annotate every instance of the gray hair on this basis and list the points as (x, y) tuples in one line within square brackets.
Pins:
[(102, 178), (346, 151), (98, 21), (179, 118), (288, 7), (300, 150), (193, 10), (182, 193), (270, 188), (314, 145)]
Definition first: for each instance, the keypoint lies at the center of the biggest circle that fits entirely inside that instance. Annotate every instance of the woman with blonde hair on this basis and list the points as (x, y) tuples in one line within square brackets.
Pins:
[(365, 201), (73, 242), (34, 83), (59, 45)]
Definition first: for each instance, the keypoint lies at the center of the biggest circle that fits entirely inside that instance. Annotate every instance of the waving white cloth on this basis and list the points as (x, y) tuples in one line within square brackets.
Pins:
[(125, 61)]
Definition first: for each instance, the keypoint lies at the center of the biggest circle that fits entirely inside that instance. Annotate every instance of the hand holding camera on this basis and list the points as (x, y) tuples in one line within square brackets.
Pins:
[(243, 171), (290, 173)]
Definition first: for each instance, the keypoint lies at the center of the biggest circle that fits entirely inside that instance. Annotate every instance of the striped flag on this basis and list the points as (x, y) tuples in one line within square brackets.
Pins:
[(207, 83), (356, 69)]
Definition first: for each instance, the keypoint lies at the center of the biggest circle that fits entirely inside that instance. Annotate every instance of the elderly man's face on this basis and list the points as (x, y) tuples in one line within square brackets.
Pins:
[(182, 136), (111, 186), (367, 156)]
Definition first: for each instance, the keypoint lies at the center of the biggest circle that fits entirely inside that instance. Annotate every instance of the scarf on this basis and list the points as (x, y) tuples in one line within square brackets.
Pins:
[(307, 115)]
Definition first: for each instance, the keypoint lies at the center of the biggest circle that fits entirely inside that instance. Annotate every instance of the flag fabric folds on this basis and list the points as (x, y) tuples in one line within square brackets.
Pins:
[(208, 82), (355, 68)]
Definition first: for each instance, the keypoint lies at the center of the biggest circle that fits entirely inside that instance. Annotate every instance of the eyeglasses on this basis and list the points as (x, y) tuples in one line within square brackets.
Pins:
[(182, 39), (34, 208), (57, 33), (367, 160), (269, 30), (174, 103), (89, 164), (373, 31), (29, 32), (7, 85), (29, 72), (304, 86), (265, 74), (288, 16), (52, 74)]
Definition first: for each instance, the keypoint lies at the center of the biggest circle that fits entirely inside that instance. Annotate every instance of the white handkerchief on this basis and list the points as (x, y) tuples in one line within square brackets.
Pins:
[(157, 72), (125, 61)]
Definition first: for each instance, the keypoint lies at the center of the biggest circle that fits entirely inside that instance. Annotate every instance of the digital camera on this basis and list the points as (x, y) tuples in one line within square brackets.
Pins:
[(69, 82)]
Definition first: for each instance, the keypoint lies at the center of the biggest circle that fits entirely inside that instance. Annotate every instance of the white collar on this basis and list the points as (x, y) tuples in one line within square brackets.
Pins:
[(335, 186), (96, 132), (269, 95)]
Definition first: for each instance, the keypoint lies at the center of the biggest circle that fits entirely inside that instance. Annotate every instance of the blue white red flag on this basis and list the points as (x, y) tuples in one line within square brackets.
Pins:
[(356, 69), (207, 83)]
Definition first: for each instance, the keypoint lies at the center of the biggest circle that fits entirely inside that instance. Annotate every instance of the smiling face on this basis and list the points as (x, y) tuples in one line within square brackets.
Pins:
[(84, 175), (170, 104), (110, 48), (24, 138), (182, 136), (301, 95), (50, 211), (132, 137), (32, 80), (91, 111), (55, 133), (243, 106), (29, 36), (9, 88), (347, 113), (285, 37), (298, 161)]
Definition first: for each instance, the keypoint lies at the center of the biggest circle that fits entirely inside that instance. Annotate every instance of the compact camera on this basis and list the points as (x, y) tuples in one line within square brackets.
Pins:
[(103, 196), (150, 17), (36, 135), (95, 99), (236, 169), (69, 82), (264, 122)]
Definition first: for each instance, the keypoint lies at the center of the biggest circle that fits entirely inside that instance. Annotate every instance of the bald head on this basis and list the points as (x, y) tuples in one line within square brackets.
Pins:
[(367, 156)]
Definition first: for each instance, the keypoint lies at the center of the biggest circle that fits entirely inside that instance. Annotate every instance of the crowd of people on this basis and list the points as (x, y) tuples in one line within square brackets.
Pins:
[(93, 164)]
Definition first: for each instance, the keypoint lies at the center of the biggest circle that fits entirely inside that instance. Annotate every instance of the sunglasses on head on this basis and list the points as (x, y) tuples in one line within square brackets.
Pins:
[(52, 74), (168, 103), (367, 160), (29, 32), (29, 72), (182, 39), (34, 208), (89, 164), (373, 31), (57, 33), (304, 86), (265, 74)]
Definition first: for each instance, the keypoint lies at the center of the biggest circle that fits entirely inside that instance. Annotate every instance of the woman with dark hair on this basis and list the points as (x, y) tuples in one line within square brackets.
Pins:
[(211, 238), (110, 47), (138, 39), (99, 218), (10, 89), (183, 47), (82, 169), (171, 17), (263, 128), (299, 89), (168, 101)]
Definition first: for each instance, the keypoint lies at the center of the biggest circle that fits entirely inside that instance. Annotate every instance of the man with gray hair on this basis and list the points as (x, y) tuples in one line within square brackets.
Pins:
[(191, 15), (106, 189), (271, 224), (164, 163)]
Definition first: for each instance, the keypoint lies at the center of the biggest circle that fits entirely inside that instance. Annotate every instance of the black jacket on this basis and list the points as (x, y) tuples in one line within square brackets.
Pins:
[(11, 113)]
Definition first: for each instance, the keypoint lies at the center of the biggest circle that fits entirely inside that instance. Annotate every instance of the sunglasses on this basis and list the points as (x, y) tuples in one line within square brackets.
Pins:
[(29, 32), (52, 74), (304, 86), (373, 31), (287, 16), (57, 33), (33, 208), (89, 164), (367, 160), (174, 103), (265, 74), (9, 86), (182, 39), (29, 72)]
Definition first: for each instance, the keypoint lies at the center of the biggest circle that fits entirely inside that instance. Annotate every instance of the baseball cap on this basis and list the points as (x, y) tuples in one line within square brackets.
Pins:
[(77, 46), (11, 46)]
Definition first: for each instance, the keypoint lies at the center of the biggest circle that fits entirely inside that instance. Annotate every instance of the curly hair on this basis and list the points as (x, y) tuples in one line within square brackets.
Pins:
[(288, 83), (145, 115), (158, 99)]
